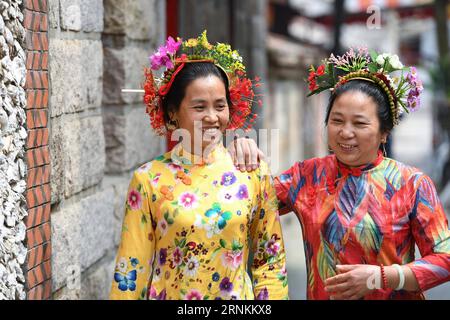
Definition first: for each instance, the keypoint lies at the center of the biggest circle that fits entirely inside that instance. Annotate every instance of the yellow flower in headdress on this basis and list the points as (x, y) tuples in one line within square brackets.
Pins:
[(238, 66), (204, 41), (191, 43), (223, 49)]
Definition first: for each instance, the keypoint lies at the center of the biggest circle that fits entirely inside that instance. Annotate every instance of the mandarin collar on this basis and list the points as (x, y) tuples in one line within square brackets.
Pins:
[(181, 156), (358, 171)]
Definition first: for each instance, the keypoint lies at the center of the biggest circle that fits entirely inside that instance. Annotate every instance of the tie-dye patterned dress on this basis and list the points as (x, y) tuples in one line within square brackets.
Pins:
[(368, 215)]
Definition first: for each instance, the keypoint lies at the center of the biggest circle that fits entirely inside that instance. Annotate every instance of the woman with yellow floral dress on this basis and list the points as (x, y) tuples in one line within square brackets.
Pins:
[(192, 219)]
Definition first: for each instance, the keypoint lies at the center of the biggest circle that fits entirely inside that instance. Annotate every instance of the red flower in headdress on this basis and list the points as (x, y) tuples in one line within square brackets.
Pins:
[(242, 95), (320, 70), (152, 102), (312, 78)]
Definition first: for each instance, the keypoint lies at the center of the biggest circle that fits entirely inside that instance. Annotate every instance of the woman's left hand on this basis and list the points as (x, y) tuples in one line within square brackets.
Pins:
[(352, 281)]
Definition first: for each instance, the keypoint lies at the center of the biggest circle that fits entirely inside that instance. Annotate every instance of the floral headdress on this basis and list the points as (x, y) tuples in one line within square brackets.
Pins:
[(199, 50), (382, 69)]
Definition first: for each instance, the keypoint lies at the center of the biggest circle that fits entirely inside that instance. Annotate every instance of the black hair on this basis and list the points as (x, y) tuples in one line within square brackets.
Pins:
[(373, 91), (190, 72)]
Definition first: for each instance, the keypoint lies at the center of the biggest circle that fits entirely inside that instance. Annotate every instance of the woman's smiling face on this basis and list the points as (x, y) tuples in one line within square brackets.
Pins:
[(354, 129), (204, 111)]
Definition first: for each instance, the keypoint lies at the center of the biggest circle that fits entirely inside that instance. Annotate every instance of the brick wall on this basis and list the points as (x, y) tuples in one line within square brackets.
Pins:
[(38, 264)]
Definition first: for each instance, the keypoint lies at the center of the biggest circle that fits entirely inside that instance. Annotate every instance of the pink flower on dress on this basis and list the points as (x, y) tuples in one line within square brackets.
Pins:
[(272, 247), (188, 200), (134, 199), (145, 167), (163, 226), (174, 167), (232, 259), (177, 256), (153, 294), (194, 295), (156, 179)]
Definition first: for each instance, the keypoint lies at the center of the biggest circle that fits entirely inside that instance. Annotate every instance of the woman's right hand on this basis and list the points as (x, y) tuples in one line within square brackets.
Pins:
[(245, 154)]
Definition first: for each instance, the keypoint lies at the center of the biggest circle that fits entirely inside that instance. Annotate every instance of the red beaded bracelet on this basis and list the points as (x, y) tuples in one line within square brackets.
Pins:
[(383, 276)]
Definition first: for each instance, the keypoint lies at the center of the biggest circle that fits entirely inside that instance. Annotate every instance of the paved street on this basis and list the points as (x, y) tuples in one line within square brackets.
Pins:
[(412, 145), (295, 256)]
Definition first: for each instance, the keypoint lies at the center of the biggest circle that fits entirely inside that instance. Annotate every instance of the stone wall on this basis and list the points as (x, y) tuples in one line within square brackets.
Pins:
[(241, 23), (13, 136), (98, 135), (133, 30), (76, 136)]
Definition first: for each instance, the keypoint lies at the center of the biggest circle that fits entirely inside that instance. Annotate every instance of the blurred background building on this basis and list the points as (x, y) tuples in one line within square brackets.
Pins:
[(85, 137)]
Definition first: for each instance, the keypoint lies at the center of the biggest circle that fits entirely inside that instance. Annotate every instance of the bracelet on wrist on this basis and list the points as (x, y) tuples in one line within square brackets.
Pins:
[(383, 277), (401, 276)]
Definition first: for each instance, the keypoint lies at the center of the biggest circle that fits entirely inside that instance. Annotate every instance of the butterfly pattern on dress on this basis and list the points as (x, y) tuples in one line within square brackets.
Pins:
[(223, 217)]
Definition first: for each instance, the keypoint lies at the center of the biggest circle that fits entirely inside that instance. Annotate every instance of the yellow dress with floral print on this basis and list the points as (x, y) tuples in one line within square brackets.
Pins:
[(190, 227)]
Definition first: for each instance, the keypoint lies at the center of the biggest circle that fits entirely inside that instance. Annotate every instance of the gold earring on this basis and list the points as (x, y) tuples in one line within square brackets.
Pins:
[(172, 125), (383, 143)]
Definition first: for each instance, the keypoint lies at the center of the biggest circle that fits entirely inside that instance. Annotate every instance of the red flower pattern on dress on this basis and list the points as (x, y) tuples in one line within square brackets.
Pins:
[(134, 200)]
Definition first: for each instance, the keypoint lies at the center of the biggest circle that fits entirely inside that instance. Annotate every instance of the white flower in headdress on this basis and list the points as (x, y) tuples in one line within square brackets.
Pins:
[(395, 62), (381, 58)]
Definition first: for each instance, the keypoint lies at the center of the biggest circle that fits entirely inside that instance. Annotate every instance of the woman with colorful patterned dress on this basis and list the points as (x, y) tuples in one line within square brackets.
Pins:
[(362, 213), (192, 219)]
